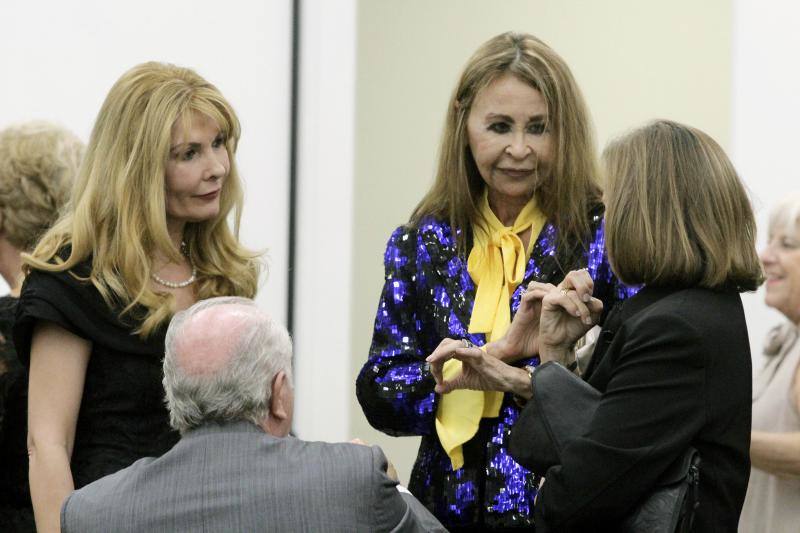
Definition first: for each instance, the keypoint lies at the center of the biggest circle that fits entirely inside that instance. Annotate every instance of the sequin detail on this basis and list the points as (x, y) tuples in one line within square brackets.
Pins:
[(428, 296)]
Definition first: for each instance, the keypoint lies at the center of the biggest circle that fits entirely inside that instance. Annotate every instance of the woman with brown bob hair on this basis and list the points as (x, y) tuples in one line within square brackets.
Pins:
[(145, 234), (514, 200), (673, 362)]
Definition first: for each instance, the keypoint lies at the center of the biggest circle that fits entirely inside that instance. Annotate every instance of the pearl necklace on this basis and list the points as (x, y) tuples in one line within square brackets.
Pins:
[(178, 284)]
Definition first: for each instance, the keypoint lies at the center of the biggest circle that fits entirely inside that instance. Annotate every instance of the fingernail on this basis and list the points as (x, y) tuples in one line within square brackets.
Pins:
[(587, 297), (587, 321)]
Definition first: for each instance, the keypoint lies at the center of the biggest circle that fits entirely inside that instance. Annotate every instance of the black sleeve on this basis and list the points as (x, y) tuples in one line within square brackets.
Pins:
[(76, 306), (395, 386), (648, 415)]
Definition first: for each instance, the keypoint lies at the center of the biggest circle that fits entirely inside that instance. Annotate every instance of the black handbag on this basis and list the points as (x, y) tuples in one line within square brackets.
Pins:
[(560, 410)]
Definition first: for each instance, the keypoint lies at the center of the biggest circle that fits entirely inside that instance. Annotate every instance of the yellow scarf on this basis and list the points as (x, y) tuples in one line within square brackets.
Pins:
[(497, 266)]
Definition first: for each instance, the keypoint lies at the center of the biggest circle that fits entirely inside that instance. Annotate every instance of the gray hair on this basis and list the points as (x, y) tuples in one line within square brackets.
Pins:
[(786, 215), (241, 388)]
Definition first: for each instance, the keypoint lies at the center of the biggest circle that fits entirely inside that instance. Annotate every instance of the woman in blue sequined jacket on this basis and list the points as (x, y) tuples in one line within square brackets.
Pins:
[(515, 200)]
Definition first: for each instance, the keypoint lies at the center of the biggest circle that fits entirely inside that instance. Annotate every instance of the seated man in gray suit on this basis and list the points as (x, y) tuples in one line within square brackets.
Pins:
[(227, 375)]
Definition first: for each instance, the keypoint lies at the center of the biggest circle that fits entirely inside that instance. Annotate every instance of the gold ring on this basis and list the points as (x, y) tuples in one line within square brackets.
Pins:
[(564, 291)]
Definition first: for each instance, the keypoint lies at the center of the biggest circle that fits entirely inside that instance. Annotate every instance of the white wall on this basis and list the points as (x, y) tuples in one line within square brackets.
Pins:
[(765, 118), (59, 59), (325, 212)]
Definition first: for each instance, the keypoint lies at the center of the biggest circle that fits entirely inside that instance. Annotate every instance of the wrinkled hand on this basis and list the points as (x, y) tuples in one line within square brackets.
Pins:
[(522, 338), (479, 371), (568, 312), (391, 471)]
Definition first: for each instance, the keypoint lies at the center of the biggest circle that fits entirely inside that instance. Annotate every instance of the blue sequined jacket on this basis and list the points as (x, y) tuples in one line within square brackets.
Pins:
[(428, 295)]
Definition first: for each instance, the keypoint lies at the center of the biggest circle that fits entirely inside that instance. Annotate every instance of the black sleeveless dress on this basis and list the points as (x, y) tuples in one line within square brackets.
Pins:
[(16, 513), (122, 415)]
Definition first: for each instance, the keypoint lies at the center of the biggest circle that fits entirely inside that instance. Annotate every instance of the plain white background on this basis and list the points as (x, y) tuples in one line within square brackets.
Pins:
[(765, 140)]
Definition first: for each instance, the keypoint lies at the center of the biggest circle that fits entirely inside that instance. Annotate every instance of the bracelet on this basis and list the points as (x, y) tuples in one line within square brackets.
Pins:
[(520, 401)]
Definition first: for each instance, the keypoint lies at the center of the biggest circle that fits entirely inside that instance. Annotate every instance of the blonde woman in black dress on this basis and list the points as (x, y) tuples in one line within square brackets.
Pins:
[(145, 234)]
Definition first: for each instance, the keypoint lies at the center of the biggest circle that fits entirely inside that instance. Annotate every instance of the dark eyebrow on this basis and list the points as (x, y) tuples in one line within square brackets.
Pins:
[(496, 116), (534, 118), (178, 147)]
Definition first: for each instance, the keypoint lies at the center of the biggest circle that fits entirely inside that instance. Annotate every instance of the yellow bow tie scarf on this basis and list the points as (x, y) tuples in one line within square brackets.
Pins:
[(497, 266)]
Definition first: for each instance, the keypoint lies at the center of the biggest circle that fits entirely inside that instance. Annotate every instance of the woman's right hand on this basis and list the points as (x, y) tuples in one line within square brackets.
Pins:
[(522, 338), (568, 312)]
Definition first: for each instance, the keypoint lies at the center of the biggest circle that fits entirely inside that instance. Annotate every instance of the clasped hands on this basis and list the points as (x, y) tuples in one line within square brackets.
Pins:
[(549, 322)]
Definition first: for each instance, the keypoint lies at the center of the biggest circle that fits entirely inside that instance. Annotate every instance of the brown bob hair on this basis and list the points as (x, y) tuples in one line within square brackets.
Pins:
[(677, 213), (569, 192)]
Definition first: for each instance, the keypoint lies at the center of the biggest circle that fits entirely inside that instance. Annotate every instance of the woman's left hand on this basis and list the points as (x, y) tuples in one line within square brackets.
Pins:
[(479, 370)]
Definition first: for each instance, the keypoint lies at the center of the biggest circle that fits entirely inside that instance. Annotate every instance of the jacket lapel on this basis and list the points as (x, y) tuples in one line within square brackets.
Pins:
[(448, 271)]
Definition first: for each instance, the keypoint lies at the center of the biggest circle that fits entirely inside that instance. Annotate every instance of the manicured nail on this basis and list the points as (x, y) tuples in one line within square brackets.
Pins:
[(587, 297)]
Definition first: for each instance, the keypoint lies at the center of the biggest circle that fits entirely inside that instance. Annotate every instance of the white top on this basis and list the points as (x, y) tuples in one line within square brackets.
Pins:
[(773, 503)]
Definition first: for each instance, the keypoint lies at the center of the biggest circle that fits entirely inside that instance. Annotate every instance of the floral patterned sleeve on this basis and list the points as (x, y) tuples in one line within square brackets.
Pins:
[(395, 387)]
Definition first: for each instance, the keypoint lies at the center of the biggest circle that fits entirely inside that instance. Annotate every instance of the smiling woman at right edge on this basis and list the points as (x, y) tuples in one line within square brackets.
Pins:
[(773, 494), (515, 200)]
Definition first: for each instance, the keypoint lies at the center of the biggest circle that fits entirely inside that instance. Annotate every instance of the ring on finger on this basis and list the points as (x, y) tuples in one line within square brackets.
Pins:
[(468, 343), (564, 291)]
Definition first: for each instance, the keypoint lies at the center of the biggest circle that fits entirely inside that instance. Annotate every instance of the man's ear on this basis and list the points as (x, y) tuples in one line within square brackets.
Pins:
[(278, 401)]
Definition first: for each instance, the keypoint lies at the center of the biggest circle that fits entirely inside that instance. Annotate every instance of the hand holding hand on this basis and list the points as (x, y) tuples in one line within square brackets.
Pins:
[(522, 338), (568, 312)]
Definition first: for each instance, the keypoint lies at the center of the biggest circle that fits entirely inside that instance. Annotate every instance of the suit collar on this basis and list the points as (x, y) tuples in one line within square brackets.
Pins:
[(239, 426)]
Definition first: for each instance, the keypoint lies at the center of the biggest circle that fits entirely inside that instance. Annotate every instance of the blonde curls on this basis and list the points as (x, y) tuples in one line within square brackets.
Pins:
[(117, 212), (38, 163)]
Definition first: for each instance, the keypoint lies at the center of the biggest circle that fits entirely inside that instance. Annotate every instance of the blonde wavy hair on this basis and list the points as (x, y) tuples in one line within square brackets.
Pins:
[(570, 191), (677, 213), (38, 163), (117, 214)]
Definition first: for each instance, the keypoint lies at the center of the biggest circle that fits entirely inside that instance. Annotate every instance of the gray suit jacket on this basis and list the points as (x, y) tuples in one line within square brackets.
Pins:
[(235, 477)]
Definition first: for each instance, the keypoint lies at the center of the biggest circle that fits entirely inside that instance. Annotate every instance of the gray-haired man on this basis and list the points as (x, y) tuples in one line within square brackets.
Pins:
[(227, 376)]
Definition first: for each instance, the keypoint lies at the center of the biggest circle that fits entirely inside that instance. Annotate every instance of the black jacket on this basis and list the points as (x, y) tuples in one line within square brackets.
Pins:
[(674, 368)]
